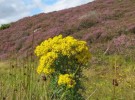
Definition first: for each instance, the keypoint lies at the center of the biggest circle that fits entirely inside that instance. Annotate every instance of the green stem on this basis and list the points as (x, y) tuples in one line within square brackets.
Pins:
[(63, 94), (76, 70)]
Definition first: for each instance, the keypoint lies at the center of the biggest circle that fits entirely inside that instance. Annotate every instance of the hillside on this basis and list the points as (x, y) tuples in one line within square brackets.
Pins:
[(108, 26)]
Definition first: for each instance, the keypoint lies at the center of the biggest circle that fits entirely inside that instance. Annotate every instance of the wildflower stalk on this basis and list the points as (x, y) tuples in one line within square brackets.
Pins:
[(115, 79)]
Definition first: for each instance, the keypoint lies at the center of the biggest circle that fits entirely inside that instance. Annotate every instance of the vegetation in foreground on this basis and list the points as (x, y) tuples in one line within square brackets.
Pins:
[(108, 77)]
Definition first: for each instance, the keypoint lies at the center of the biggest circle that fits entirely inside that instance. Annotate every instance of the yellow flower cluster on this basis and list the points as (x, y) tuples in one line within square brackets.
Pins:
[(46, 63), (66, 79), (49, 51)]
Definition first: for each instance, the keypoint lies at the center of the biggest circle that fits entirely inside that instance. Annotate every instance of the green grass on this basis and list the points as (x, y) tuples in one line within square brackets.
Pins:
[(21, 82), (109, 77), (107, 70)]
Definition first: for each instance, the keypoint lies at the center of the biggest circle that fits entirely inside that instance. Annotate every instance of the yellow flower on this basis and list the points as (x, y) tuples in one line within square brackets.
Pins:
[(39, 69), (48, 71), (49, 50), (67, 80), (46, 62)]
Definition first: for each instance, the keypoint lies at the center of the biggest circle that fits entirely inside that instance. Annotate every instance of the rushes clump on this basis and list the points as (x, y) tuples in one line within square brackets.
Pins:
[(62, 60)]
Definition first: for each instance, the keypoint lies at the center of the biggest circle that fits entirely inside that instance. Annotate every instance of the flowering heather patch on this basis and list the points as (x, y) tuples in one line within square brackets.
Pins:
[(131, 28), (109, 16), (122, 40)]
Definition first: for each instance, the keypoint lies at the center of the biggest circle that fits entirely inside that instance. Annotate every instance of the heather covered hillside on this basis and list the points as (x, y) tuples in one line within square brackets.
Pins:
[(108, 26), (81, 53)]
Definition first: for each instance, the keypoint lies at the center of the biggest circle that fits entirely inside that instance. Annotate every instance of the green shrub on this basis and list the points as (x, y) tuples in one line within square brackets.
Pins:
[(89, 20), (4, 26), (86, 23)]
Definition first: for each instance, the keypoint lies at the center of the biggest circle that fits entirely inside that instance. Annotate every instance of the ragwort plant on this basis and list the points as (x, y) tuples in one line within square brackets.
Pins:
[(61, 60)]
